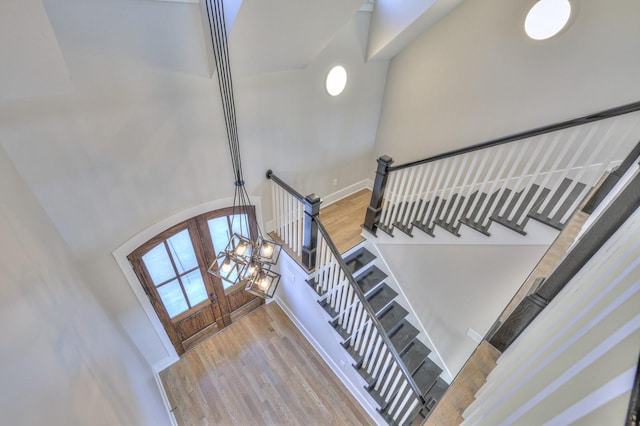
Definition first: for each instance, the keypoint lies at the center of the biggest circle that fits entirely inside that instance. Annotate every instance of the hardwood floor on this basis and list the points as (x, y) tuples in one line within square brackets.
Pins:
[(258, 371), (343, 219)]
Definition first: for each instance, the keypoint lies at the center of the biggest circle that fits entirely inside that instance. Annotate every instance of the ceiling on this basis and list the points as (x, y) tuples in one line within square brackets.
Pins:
[(109, 111)]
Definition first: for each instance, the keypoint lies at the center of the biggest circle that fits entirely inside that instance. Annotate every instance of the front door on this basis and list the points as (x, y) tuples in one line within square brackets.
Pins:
[(172, 268)]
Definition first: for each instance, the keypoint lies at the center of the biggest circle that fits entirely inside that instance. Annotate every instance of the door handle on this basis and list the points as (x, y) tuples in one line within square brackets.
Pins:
[(212, 297)]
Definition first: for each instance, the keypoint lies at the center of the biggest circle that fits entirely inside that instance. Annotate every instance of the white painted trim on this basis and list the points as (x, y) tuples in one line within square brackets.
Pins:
[(431, 345), (166, 363), (165, 398), (355, 390), (327, 200), (120, 255), (612, 389)]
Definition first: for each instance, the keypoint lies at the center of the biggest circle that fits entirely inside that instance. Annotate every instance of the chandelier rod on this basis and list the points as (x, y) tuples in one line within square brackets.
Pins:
[(219, 40)]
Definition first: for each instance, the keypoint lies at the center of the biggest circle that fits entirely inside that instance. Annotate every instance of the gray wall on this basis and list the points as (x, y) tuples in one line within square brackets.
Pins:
[(456, 287), (64, 361)]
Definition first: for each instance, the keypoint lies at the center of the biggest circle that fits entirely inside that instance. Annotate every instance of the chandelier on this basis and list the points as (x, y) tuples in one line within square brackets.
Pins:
[(247, 258)]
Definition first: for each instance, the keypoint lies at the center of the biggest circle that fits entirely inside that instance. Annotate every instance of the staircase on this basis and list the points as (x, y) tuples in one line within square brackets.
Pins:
[(543, 174), (546, 205), (402, 334)]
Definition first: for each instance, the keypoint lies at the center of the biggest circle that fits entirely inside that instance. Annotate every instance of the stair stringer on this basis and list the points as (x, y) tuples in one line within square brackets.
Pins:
[(537, 234), (412, 318)]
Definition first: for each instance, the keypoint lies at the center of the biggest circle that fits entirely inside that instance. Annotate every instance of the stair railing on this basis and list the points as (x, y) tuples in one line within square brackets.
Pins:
[(399, 394), (544, 173), (292, 214)]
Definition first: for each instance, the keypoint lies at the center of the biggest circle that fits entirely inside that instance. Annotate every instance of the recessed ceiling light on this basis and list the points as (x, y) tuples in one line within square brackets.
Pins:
[(546, 18), (336, 80)]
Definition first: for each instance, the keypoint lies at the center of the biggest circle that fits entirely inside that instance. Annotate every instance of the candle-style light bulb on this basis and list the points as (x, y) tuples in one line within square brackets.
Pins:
[(241, 248), (267, 249), (262, 282), (251, 269), (226, 266)]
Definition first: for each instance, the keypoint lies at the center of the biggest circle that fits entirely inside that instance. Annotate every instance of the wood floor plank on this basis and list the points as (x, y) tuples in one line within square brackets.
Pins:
[(258, 371), (344, 218)]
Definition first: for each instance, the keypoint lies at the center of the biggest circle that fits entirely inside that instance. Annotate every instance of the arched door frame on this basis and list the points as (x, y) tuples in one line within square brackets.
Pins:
[(161, 361)]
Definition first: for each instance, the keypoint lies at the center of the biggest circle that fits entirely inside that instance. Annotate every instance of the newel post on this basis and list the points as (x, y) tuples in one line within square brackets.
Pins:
[(375, 206), (311, 209)]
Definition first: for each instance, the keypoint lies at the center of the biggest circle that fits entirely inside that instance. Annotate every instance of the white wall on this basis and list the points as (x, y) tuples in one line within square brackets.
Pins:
[(142, 136), (299, 301), (63, 361), (456, 287), (476, 76)]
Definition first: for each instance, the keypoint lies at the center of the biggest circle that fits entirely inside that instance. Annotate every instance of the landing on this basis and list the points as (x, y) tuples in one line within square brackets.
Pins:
[(343, 219)]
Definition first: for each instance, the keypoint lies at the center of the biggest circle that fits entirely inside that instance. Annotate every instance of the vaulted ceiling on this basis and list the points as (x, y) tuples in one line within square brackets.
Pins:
[(110, 111)]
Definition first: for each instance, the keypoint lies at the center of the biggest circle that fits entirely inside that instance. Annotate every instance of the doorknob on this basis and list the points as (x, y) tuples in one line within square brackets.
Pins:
[(213, 298)]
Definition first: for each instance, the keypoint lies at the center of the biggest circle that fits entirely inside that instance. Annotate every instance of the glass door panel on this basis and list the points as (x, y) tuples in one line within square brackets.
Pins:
[(158, 264), (172, 298), (194, 287), (172, 267), (182, 251)]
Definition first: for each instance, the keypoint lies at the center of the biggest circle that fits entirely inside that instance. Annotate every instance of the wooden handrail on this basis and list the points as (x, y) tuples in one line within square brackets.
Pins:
[(609, 113), (285, 186), (374, 319)]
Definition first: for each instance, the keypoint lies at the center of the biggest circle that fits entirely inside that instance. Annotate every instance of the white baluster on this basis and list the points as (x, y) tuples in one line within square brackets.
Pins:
[(426, 175), (567, 168), (387, 198), (451, 164), (430, 179), (546, 149), (451, 204), (517, 183), (471, 185), (443, 170), (405, 202), (414, 403), (399, 395), (494, 185), (392, 195), (418, 185), (388, 377), (521, 149)]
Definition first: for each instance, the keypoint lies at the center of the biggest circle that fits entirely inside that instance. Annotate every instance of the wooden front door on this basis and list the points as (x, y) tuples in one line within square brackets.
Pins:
[(172, 268)]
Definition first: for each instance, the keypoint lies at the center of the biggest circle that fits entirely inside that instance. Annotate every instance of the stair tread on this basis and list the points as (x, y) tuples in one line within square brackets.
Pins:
[(358, 260), (415, 355), (426, 225), (555, 221), (573, 195), (477, 217), (370, 279), (564, 185), (453, 226), (382, 297), (403, 335), (436, 391), (426, 375), (391, 317)]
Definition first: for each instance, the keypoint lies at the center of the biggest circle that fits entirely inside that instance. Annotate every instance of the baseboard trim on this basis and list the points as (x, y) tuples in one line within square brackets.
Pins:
[(353, 388), (165, 398), (327, 200), (165, 363)]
